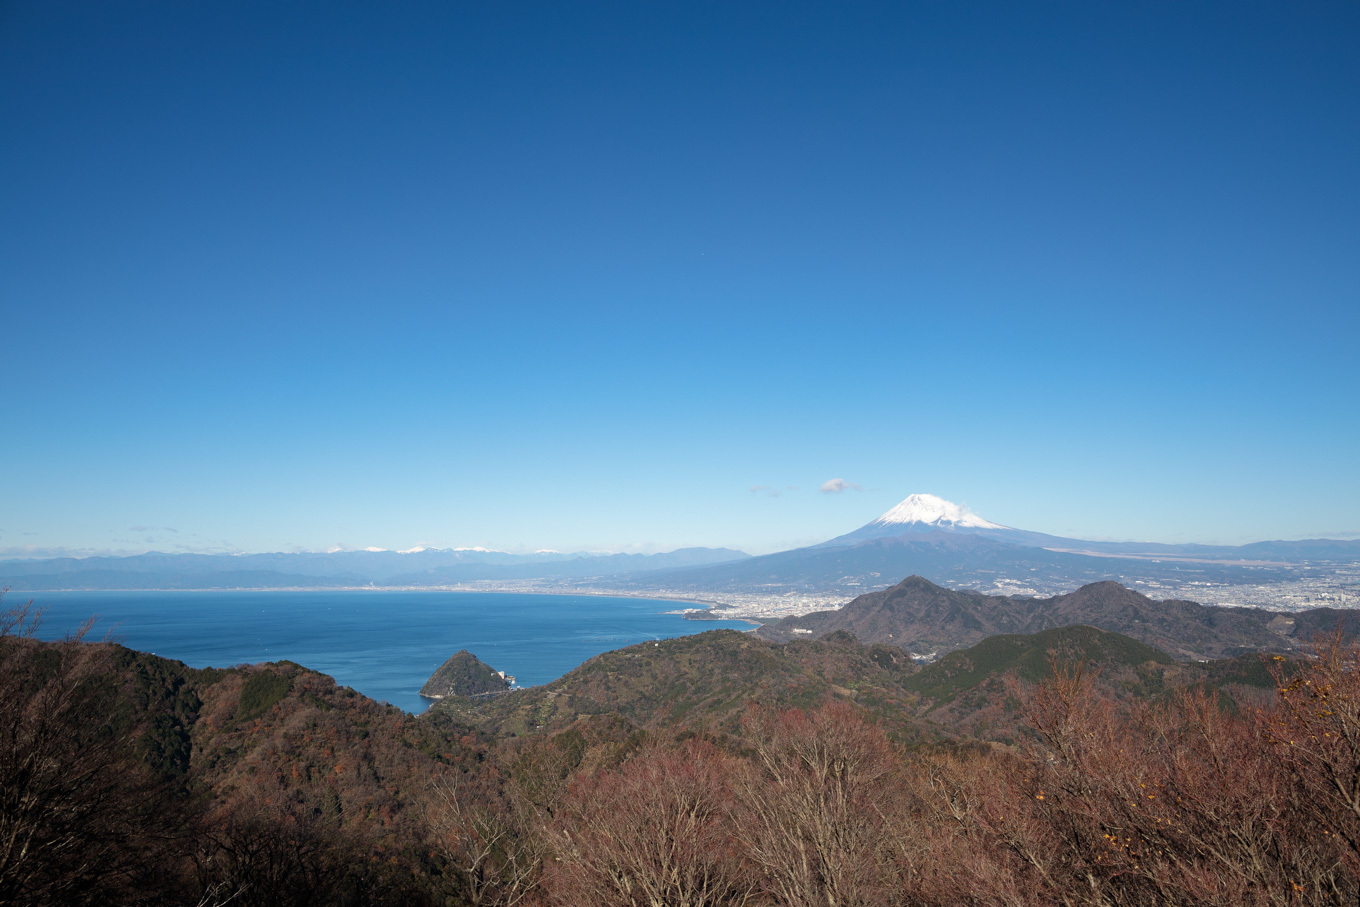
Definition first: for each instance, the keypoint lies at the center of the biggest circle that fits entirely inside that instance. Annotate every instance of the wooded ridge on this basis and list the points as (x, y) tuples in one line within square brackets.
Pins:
[(921, 617), (1073, 765)]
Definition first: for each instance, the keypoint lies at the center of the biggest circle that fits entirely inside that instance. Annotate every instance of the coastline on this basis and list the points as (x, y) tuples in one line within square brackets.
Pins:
[(383, 645), (15, 591), (710, 608)]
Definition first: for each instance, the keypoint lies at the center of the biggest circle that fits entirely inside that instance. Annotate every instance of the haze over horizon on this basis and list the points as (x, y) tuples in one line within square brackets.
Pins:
[(628, 278), (950, 511)]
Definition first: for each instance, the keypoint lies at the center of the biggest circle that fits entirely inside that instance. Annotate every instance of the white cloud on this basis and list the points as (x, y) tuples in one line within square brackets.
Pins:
[(765, 490), (836, 486)]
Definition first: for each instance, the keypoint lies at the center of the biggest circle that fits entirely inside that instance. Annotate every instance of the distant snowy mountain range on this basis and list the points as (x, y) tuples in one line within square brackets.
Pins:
[(335, 569), (928, 536), (923, 535)]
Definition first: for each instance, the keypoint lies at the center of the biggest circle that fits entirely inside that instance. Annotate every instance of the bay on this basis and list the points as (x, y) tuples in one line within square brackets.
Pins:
[(384, 644)]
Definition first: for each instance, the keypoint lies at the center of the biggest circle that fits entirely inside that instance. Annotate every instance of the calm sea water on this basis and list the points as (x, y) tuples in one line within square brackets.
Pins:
[(383, 644)]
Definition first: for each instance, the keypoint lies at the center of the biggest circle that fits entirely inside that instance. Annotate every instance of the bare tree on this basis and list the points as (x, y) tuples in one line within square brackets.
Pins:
[(814, 807), (81, 819), (1316, 734), (656, 833), (1181, 802), (491, 851)]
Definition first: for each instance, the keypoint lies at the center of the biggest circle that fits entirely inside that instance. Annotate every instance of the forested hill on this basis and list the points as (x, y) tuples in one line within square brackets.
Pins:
[(705, 681), (464, 674), (134, 779)]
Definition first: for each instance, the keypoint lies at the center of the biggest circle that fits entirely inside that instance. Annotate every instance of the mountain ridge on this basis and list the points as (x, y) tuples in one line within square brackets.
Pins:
[(928, 535), (928, 620), (429, 566), (924, 534)]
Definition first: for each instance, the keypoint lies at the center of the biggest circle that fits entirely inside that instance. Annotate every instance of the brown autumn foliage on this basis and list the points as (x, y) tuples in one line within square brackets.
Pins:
[(819, 799), (1174, 803), (657, 832), (1184, 801), (485, 842), (128, 779), (1316, 735), (82, 821)]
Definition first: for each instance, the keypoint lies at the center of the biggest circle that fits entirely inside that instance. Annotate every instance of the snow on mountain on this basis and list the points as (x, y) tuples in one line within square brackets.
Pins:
[(925, 514), (934, 511)]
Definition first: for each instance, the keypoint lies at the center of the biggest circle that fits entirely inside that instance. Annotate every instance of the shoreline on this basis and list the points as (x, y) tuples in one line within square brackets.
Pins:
[(29, 593), (707, 605), (679, 607), (737, 609)]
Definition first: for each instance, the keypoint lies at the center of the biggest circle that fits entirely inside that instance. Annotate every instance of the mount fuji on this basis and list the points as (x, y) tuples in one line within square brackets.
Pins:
[(920, 513), (924, 535), (930, 536)]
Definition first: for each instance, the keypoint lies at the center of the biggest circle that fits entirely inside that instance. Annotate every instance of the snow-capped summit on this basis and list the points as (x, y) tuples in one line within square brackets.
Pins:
[(923, 514), (934, 511)]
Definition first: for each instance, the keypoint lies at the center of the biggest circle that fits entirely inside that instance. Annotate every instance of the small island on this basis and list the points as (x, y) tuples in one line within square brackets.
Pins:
[(464, 674)]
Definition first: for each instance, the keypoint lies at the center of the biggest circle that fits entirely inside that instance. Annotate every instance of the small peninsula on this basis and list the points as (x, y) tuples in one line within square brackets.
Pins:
[(464, 674)]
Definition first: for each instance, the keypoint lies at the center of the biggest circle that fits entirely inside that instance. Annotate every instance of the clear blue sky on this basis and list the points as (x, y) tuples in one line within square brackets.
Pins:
[(583, 275)]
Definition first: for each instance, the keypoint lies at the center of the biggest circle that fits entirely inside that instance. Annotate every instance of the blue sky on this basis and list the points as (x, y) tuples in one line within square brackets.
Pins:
[(610, 276)]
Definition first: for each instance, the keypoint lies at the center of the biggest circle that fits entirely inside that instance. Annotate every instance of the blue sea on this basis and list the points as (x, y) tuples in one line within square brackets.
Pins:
[(383, 644)]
